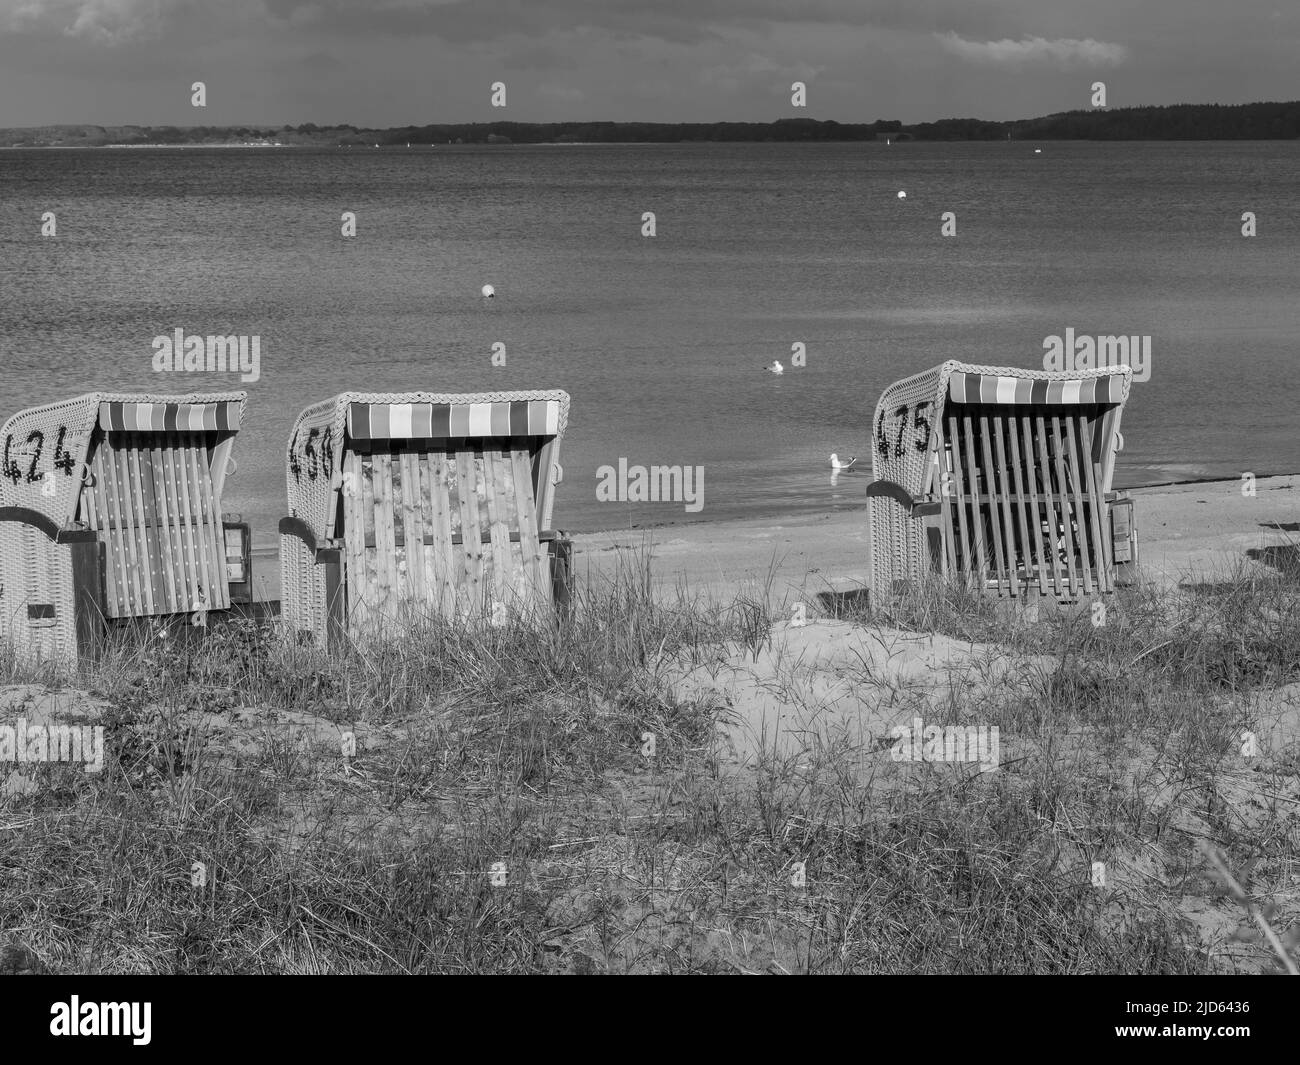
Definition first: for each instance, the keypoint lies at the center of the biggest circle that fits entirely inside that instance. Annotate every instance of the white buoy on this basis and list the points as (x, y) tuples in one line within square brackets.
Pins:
[(1038, 151), (488, 292), (902, 195), (776, 367)]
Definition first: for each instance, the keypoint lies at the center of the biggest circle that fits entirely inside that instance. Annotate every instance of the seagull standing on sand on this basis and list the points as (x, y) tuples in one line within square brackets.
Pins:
[(776, 367), (836, 464)]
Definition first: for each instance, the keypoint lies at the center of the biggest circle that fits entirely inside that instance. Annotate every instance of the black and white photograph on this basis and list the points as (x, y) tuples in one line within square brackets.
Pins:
[(646, 487)]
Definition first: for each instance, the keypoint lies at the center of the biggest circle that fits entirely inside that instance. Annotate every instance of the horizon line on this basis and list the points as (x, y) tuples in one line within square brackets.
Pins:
[(655, 122)]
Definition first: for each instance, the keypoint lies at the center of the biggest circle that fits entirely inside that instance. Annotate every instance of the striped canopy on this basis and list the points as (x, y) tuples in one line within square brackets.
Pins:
[(990, 388), (439, 421), (165, 417)]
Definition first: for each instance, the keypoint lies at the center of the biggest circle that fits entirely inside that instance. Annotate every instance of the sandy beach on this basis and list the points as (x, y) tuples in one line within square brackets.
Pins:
[(1182, 530)]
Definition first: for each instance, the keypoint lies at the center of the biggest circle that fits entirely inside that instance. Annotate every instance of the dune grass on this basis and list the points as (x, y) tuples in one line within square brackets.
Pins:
[(502, 811)]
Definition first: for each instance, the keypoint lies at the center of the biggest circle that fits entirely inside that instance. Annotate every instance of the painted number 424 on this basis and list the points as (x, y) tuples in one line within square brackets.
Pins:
[(33, 450)]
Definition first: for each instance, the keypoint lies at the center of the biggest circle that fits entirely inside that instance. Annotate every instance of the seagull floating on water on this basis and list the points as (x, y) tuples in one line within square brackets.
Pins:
[(836, 464), (776, 367)]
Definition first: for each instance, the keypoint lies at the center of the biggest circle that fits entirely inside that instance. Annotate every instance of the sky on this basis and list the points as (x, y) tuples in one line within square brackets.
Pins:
[(388, 63)]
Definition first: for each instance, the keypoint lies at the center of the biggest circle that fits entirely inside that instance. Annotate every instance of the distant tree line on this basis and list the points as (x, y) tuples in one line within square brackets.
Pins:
[(1262, 121), (786, 129), (1180, 122)]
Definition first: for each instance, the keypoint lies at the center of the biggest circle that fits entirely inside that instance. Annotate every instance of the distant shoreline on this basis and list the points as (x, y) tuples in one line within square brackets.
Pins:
[(197, 144), (1178, 122), (585, 144)]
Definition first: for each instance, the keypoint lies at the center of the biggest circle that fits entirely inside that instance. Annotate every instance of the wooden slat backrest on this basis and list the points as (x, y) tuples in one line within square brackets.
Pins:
[(1013, 511), (192, 509), (1001, 506), (360, 592), (139, 522), (440, 576), (498, 497), (370, 558), (1093, 502), (534, 560), (471, 578), (1080, 510), (1027, 488), (991, 476), (413, 574), (122, 597), (150, 519), (445, 528), (215, 592), (172, 577), (381, 480), (962, 565), (181, 573), (119, 485), (976, 487), (151, 497), (944, 487), (1061, 502), (205, 583), (1025, 500), (1105, 444), (496, 562), (192, 515), (1051, 516)]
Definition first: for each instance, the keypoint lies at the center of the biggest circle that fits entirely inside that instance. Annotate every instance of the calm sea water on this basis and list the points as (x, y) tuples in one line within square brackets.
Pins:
[(662, 341)]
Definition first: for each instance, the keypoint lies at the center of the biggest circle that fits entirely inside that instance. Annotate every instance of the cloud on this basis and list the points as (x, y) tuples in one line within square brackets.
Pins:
[(1062, 52), (757, 70), (321, 63), (486, 21), (674, 21), (564, 94), (99, 21), (535, 55)]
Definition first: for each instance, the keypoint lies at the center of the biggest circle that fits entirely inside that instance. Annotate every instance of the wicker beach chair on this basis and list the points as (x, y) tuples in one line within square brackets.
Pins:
[(110, 508), (1001, 477), (409, 506)]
